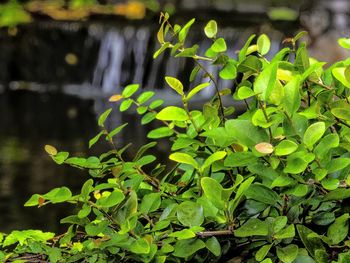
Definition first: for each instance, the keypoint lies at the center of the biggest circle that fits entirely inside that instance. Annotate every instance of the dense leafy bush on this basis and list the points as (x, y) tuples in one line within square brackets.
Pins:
[(268, 185)]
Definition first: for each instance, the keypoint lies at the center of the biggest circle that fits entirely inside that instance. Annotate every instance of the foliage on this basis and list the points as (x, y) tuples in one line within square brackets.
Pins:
[(265, 185)]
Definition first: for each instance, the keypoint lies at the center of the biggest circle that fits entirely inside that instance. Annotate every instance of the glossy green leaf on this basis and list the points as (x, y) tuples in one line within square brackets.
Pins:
[(115, 198), (265, 82), (186, 248), (130, 90), (262, 252), (175, 84), (264, 44), (314, 133), (338, 164), (211, 29), (140, 246), (183, 234), (190, 214), (292, 99), (125, 105), (145, 96), (197, 89), (150, 203), (148, 117), (244, 93), (338, 231), (229, 71), (219, 45), (341, 113), (213, 158), (103, 117), (262, 194), (184, 31), (287, 254), (253, 227), (172, 113), (285, 147), (214, 246), (160, 133), (339, 74), (288, 232), (184, 158)]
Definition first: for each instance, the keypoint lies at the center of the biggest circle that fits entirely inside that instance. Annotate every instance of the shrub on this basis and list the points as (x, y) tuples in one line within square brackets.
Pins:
[(266, 185)]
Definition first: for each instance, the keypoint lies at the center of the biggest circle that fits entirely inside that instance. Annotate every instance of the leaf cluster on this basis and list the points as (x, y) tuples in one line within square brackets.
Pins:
[(267, 185)]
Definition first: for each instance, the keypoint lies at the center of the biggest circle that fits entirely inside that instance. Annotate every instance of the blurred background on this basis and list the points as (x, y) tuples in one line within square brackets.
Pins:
[(60, 60)]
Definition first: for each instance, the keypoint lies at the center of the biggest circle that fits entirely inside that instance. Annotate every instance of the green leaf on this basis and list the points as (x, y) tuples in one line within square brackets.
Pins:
[(145, 96), (172, 113), (288, 232), (292, 99), (265, 82), (243, 52), (213, 246), (323, 218), (155, 104), (229, 71), (339, 74), (187, 247), (211, 29), (160, 133), (302, 58), (338, 164), (58, 195), (240, 192), (115, 198), (150, 203), (129, 90), (330, 183), (262, 252), (344, 42), (175, 84), (117, 130), (190, 214), (60, 157), (184, 31), (264, 44), (287, 254), (297, 162), (239, 159), (341, 113), (338, 231), (311, 243), (213, 191), (140, 246), (188, 52), (313, 133), (197, 89), (183, 234), (148, 117), (285, 147), (184, 158), (213, 158), (250, 64), (103, 117), (328, 142), (253, 227), (337, 194), (125, 105), (219, 45), (244, 92), (84, 211), (262, 194), (161, 49)]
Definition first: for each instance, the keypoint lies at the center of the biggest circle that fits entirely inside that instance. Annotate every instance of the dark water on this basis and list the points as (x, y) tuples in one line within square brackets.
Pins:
[(47, 99)]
